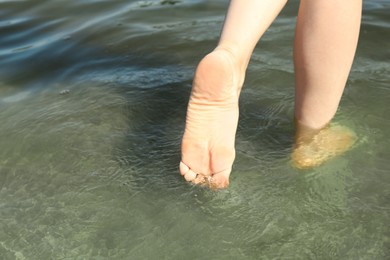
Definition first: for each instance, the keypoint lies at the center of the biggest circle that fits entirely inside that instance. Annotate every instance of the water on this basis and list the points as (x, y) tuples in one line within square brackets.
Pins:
[(92, 105)]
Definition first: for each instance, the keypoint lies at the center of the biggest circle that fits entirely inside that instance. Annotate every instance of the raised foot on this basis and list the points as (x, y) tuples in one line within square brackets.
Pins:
[(211, 123), (322, 146)]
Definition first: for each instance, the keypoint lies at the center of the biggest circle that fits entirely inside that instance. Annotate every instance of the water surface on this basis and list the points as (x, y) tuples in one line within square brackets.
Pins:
[(92, 105)]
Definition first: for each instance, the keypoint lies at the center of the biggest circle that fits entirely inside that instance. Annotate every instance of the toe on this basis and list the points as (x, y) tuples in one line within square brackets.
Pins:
[(190, 176), (220, 180), (183, 168)]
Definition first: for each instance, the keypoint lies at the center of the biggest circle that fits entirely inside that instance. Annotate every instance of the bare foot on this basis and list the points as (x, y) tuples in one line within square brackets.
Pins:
[(212, 116), (313, 147)]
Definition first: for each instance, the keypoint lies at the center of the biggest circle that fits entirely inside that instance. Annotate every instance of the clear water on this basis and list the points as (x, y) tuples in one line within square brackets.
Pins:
[(92, 105)]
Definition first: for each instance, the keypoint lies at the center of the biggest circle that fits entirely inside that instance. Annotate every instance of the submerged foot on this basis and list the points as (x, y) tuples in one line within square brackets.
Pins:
[(212, 116), (313, 148)]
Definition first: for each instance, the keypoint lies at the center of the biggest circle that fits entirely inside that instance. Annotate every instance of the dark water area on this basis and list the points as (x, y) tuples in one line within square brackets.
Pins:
[(92, 107)]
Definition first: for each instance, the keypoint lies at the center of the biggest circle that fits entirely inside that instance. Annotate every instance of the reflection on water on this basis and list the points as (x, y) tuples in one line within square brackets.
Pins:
[(92, 106)]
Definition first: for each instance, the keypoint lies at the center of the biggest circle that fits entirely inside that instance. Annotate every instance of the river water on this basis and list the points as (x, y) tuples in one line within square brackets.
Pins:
[(92, 107)]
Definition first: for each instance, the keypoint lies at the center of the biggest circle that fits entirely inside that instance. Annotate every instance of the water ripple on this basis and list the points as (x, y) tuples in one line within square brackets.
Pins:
[(92, 108)]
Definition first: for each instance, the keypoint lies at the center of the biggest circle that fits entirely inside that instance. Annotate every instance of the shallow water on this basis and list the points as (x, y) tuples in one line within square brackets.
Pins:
[(92, 106)]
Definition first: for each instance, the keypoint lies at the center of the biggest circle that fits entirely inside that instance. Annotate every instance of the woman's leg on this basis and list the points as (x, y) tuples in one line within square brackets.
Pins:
[(325, 43), (212, 115)]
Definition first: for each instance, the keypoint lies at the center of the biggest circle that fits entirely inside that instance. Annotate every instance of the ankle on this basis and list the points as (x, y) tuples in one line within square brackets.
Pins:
[(239, 62), (305, 131), (311, 122)]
